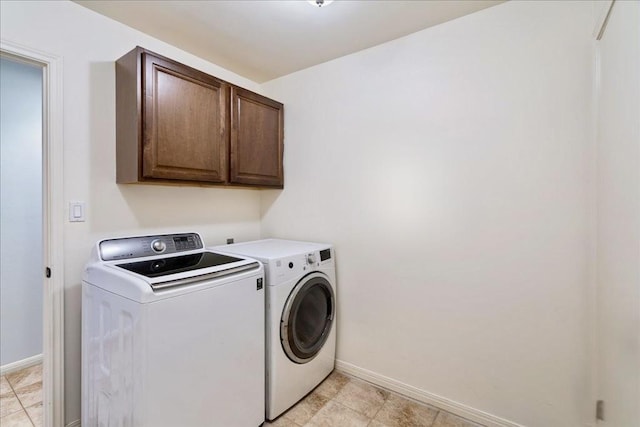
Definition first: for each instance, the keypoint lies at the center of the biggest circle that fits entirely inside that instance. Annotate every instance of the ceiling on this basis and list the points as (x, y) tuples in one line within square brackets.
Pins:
[(263, 40)]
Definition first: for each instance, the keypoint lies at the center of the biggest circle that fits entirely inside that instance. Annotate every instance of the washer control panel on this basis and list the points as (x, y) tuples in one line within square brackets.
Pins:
[(158, 246), (144, 246)]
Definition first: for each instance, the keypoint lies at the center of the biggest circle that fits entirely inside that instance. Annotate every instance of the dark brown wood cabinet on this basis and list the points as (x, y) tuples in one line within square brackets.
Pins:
[(256, 139), (176, 124)]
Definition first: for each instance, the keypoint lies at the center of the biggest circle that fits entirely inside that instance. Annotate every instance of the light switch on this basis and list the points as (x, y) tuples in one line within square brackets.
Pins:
[(76, 212)]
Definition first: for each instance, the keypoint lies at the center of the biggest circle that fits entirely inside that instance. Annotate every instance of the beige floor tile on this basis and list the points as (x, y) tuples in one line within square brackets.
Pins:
[(280, 422), (332, 385), (376, 423), (30, 395), (36, 414), (334, 414), (302, 412), (17, 419), (445, 419), (25, 377), (400, 412), (4, 386), (362, 397), (9, 404)]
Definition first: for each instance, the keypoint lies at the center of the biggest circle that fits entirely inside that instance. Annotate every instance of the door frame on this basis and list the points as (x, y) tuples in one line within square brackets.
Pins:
[(53, 222)]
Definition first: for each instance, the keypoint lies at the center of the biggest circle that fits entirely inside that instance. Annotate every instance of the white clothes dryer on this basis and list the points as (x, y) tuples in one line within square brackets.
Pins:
[(300, 316)]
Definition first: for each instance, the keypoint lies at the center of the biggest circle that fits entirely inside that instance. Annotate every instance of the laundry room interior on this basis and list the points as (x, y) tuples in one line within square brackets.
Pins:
[(470, 183)]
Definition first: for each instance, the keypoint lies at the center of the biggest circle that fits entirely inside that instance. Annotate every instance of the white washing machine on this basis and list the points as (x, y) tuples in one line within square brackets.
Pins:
[(172, 335), (300, 316)]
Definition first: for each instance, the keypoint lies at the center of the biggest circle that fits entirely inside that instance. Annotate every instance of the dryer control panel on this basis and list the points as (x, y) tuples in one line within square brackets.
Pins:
[(144, 246), (325, 255), (316, 258), (293, 266)]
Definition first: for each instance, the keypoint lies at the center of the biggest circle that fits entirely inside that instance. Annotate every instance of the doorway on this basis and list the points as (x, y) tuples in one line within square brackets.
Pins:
[(31, 356), (21, 246)]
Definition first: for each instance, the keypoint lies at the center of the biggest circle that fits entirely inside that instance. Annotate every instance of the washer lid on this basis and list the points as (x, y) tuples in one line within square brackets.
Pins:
[(158, 267), (176, 278)]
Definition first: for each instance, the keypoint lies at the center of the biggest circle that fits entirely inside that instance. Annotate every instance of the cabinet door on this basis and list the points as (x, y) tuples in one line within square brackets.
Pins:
[(256, 139), (185, 116)]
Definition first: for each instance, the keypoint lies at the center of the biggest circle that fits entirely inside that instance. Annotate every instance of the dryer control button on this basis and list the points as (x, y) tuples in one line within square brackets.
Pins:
[(311, 259), (290, 265)]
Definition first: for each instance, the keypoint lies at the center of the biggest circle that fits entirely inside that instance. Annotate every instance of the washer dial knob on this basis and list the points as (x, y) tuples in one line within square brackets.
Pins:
[(311, 259), (158, 246)]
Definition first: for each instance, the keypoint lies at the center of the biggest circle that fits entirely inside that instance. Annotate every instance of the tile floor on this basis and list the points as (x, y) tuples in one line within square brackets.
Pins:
[(342, 401), (21, 398)]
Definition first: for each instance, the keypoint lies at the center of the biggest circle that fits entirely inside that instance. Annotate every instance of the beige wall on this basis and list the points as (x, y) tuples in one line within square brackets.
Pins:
[(618, 227), (450, 169), (89, 44)]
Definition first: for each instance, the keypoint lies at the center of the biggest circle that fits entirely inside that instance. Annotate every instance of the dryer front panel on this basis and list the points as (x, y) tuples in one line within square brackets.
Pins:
[(307, 318)]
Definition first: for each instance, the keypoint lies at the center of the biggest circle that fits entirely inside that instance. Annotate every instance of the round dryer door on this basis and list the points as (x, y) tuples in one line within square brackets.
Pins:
[(307, 318)]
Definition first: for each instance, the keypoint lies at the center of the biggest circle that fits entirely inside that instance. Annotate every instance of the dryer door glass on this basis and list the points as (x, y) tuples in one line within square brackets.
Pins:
[(307, 318)]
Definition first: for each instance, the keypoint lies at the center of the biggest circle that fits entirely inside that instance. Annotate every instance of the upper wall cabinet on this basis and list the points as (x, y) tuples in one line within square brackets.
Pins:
[(176, 124), (256, 139), (184, 122)]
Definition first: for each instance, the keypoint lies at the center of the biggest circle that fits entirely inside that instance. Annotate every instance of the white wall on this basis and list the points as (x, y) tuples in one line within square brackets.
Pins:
[(619, 216), (89, 44), (21, 219), (450, 169)]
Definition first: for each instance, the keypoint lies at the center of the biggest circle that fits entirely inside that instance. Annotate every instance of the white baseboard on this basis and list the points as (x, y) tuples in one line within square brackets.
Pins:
[(424, 396), (75, 423), (20, 364)]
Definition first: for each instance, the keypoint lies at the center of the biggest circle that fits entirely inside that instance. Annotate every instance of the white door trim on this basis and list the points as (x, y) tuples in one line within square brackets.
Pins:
[(53, 215)]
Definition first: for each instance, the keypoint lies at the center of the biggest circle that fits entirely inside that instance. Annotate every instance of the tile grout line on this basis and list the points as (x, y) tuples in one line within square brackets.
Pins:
[(19, 400), (300, 401), (374, 415), (13, 390), (345, 406), (329, 399), (21, 406), (14, 393), (380, 408), (28, 416), (436, 417)]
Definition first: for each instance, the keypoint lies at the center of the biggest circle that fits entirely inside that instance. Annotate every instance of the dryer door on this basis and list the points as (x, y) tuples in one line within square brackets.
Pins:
[(307, 318)]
